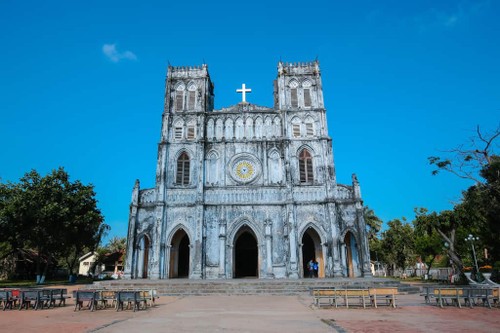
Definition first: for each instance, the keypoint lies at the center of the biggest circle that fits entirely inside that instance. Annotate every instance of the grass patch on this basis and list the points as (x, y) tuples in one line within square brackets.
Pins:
[(32, 283)]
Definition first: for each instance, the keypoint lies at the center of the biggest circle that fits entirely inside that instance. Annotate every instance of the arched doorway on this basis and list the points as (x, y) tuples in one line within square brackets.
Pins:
[(143, 258), (351, 255), (246, 254), (179, 255), (312, 250)]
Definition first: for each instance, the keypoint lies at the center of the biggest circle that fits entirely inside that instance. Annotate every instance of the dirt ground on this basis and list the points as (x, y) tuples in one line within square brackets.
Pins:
[(255, 314)]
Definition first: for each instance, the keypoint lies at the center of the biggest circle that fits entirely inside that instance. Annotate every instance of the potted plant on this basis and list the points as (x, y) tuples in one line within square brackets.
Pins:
[(486, 270)]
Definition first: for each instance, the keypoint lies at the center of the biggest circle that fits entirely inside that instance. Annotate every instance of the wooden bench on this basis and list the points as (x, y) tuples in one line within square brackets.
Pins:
[(150, 296), (428, 293), (107, 298), (454, 295), (131, 298), (58, 295), (330, 295), (361, 294), (495, 295), (33, 298), (90, 296), (480, 295), (384, 295), (6, 300)]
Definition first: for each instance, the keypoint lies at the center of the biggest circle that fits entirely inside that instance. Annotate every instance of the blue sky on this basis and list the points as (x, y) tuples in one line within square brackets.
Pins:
[(82, 84)]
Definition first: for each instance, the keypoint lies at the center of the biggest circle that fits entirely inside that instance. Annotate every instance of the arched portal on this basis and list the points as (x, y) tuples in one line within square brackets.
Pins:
[(179, 255), (312, 250), (351, 255), (143, 254), (246, 254)]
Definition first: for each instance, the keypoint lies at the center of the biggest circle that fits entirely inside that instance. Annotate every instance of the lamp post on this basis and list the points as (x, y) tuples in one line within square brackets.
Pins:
[(471, 239)]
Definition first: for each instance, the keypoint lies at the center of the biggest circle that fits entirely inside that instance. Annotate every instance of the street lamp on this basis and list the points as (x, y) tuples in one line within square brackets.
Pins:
[(471, 239)]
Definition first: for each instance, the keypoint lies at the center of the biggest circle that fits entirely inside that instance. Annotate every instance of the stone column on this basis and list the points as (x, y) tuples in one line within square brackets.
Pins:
[(130, 263), (167, 260), (222, 249), (269, 254), (293, 247)]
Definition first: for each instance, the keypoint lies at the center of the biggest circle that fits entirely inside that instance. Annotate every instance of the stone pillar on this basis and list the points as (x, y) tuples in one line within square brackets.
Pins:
[(269, 254), (197, 248), (294, 274), (344, 267), (167, 261), (130, 263), (222, 249)]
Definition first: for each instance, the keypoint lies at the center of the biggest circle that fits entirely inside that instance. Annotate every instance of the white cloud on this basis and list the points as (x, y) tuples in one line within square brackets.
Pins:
[(451, 17), (114, 55)]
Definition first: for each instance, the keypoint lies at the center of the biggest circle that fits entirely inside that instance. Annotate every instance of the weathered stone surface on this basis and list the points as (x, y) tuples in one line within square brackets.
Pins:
[(231, 198)]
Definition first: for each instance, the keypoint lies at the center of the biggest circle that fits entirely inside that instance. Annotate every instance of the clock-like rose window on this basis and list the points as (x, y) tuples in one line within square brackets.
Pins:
[(244, 168)]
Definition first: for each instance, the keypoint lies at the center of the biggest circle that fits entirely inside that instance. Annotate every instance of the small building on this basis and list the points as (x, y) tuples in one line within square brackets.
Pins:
[(86, 264)]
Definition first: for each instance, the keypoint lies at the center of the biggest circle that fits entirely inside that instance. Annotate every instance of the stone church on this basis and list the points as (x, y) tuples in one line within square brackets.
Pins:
[(247, 190)]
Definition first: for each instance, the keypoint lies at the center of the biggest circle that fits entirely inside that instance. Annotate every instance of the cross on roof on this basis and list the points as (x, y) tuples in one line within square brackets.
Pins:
[(243, 91)]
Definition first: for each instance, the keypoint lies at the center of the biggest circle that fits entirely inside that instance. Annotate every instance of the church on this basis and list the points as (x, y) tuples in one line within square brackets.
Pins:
[(246, 190)]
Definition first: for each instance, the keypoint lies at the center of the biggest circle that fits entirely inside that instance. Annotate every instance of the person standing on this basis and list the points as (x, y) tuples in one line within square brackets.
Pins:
[(310, 267), (315, 268)]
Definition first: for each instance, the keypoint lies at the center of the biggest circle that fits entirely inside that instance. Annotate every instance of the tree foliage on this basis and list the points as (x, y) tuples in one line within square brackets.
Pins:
[(397, 244), (479, 211), (51, 215)]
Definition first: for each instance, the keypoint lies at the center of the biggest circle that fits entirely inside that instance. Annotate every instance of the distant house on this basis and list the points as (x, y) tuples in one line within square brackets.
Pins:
[(113, 262), (21, 264), (86, 263)]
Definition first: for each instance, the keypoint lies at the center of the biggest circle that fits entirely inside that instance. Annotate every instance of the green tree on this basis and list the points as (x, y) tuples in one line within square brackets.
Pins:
[(51, 215), (398, 245), (373, 226), (428, 243), (479, 211)]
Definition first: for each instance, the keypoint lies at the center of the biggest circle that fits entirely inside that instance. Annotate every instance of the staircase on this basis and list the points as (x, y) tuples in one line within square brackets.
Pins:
[(185, 287)]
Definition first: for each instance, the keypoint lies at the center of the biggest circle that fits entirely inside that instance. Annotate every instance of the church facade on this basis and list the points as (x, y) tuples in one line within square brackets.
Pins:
[(246, 191)]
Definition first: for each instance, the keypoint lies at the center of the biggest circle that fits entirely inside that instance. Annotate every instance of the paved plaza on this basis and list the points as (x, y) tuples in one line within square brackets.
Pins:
[(255, 314)]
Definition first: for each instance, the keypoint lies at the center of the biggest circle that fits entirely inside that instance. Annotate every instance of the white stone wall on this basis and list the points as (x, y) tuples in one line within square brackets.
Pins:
[(244, 173)]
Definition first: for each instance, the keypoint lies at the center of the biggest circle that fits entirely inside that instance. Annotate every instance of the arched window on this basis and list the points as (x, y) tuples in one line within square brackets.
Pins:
[(306, 167), (306, 85), (182, 176), (191, 96), (179, 98), (294, 101)]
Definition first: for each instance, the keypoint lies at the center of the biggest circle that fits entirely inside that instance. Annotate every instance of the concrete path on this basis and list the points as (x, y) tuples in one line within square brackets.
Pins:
[(255, 314)]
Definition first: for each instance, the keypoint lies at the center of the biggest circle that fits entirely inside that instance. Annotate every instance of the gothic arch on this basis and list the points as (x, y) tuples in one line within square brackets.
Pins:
[(179, 252), (178, 121), (351, 253), (274, 153), (210, 129), (312, 246), (310, 116), (179, 86), (246, 245), (183, 150), (241, 222), (314, 225), (293, 83), (353, 232), (229, 129), (308, 148), (143, 247), (306, 83), (173, 231)]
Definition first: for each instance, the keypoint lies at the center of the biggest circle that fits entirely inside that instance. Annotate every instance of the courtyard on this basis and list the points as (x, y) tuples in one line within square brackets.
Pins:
[(256, 313)]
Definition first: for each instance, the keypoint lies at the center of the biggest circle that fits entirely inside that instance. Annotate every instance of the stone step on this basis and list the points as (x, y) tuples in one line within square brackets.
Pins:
[(180, 287)]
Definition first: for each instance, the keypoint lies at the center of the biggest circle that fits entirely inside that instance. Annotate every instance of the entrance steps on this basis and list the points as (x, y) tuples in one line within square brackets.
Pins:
[(185, 287)]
